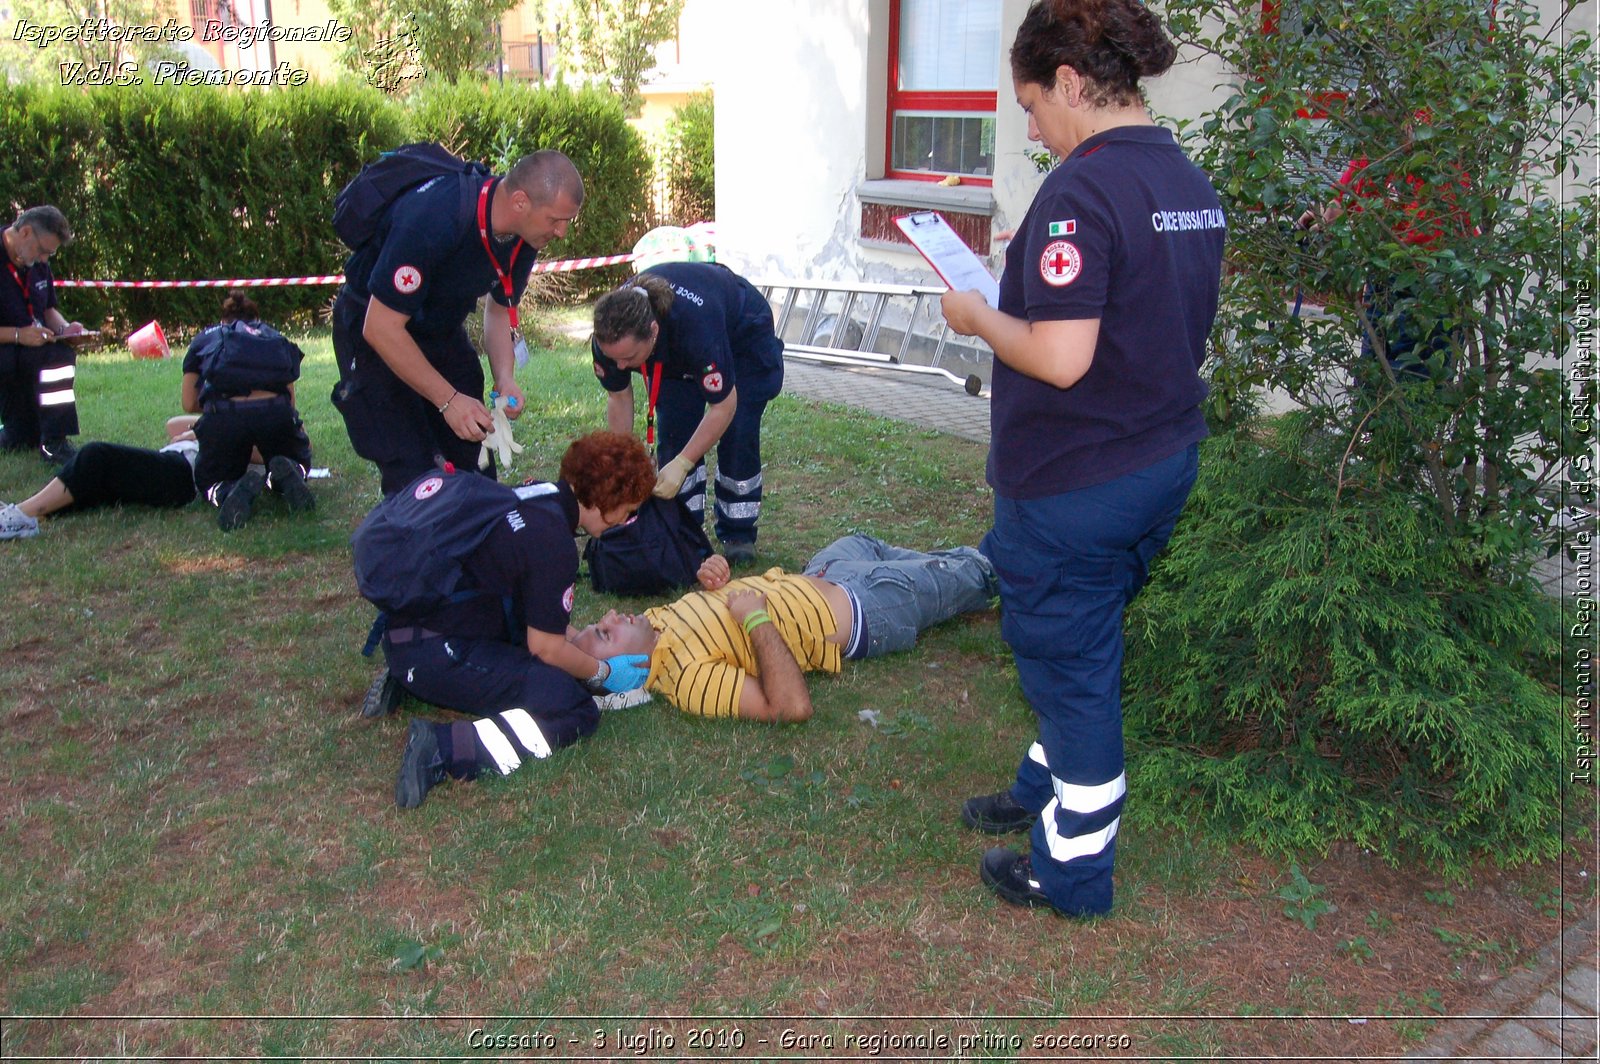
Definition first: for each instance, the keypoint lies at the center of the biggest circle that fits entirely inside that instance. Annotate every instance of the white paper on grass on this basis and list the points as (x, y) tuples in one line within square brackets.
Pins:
[(948, 254)]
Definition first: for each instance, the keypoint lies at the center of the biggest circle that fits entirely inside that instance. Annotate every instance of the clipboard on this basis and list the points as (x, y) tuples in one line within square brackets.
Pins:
[(954, 262)]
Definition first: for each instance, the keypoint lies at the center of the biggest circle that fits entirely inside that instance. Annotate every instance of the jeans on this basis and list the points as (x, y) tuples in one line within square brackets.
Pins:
[(1068, 565), (902, 591)]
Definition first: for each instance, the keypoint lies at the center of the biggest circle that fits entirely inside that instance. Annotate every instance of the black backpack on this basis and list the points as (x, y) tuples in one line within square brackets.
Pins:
[(361, 207), (244, 356), (409, 549), (661, 548)]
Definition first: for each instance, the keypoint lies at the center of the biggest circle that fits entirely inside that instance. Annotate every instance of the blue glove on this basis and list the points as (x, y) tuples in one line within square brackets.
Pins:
[(628, 672)]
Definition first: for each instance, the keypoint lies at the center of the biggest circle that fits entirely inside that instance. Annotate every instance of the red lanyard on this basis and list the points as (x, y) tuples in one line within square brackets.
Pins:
[(650, 413), (20, 284), (483, 234)]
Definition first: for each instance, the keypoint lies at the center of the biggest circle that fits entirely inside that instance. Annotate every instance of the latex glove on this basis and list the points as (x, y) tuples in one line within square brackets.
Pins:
[(628, 672), (499, 438), (671, 477)]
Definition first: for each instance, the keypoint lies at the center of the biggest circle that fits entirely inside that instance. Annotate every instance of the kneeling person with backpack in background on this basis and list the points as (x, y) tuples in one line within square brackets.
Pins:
[(239, 376), (477, 579)]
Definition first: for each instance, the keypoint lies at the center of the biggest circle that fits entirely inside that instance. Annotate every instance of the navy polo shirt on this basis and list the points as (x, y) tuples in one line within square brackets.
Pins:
[(532, 556), (201, 347), (717, 334), (1127, 230), (429, 263), (41, 291)]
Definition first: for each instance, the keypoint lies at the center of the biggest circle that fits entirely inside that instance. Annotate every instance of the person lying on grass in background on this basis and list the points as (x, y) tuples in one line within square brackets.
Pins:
[(740, 648), (107, 474)]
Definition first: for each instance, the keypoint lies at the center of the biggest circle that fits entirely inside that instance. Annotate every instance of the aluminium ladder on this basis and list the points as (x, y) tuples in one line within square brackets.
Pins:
[(856, 325)]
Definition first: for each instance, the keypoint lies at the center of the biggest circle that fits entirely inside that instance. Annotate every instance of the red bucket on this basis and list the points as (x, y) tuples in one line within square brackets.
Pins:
[(149, 342)]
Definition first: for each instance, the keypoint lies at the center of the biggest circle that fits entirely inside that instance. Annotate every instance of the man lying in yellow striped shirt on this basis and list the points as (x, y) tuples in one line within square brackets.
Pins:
[(739, 648)]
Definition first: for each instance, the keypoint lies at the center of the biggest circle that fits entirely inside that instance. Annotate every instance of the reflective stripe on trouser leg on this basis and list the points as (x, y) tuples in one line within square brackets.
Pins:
[(1068, 565), (1034, 787), (507, 739), (692, 493), (58, 403), (738, 501), (738, 488)]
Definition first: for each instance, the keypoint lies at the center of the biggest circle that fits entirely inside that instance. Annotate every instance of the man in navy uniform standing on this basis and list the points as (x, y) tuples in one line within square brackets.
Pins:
[(411, 384)]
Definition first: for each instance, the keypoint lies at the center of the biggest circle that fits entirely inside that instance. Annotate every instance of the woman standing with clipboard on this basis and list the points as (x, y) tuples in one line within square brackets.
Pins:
[(1106, 303)]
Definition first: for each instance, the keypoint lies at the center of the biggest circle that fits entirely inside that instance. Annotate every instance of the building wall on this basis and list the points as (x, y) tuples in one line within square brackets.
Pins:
[(800, 137), (791, 135)]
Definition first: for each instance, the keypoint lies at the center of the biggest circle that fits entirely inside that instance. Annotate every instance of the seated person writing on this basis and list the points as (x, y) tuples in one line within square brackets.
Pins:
[(739, 648)]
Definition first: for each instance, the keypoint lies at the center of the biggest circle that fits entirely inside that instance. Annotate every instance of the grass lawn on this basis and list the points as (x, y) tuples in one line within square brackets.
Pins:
[(199, 829)]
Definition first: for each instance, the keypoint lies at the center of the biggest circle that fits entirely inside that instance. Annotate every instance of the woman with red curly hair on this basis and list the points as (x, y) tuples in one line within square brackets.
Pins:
[(503, 655)]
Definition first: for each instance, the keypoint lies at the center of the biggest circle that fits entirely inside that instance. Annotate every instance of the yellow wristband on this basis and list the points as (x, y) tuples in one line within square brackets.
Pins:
[(755, 620)]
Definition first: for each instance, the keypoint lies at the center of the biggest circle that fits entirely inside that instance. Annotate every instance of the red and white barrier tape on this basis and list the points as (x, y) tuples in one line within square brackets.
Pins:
[(559, 266), (235, 282), (567, 265)]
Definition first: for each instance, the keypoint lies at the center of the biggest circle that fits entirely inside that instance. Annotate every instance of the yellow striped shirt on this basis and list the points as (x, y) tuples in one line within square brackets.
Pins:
[(703, 654)]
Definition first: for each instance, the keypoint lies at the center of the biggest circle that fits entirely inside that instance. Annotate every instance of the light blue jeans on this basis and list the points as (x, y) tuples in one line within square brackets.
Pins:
[(902, 591)]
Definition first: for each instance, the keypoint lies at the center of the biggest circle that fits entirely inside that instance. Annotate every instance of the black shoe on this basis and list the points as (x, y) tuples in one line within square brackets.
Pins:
[(739, 553), (235, 509), (383, 697), (285, 478), (1010, 875), (420, 766), (58, 451), (996, 814)]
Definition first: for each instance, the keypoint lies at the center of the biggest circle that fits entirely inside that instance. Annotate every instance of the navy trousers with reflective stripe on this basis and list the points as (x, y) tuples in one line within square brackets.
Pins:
[(1068, 566), (37, 400), (679, 409), (489, 678)]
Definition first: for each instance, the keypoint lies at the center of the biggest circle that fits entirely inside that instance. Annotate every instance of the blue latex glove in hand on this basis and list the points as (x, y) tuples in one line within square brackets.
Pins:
[(628, 672)]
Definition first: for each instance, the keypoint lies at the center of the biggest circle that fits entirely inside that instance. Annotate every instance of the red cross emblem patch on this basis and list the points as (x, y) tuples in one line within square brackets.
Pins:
[(566, 599), (428, 487), (1061, 263), (407, 279), (712, 382)]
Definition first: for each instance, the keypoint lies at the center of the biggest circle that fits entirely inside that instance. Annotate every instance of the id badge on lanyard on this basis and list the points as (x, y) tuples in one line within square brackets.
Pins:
[(27, 300), (518, 346)]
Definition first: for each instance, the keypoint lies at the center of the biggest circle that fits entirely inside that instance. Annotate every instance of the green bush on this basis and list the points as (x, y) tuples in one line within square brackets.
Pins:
[(499, 124), (1462, 114), (206, 183), (1344, 642), (1310, 662), (691, 158)]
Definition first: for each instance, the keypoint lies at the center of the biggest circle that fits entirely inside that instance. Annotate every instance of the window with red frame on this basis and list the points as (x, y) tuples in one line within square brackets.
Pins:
[(944, 75)]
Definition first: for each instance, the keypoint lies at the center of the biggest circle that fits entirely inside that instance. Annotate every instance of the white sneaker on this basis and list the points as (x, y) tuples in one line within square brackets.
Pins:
[(14, 524)]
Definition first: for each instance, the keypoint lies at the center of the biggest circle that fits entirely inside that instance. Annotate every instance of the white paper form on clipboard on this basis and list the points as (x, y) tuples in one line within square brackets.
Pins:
[(948, 254)]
